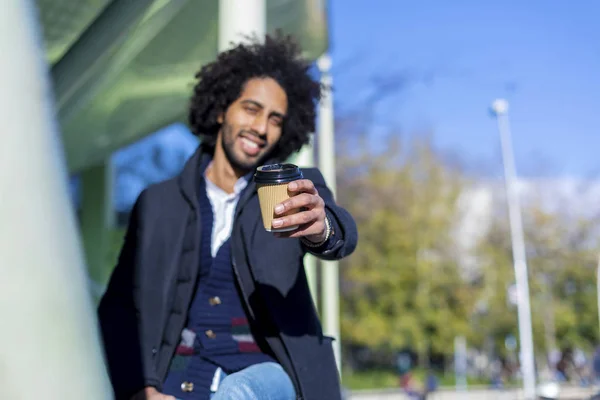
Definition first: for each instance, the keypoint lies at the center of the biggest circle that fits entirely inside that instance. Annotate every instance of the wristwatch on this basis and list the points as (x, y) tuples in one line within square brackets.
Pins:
[(329, 232)]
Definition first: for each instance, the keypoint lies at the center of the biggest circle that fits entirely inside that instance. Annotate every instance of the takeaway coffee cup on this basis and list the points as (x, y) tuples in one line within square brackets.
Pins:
[(272, 181)]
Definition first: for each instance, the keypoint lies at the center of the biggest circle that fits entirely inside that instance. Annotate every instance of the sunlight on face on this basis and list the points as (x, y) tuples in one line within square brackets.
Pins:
[(252, 124)]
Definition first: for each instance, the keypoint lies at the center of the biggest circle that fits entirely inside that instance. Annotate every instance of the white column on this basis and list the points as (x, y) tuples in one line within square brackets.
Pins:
[(500, 108), (329, 269), (50, 342), (241, 18), (306, 159)]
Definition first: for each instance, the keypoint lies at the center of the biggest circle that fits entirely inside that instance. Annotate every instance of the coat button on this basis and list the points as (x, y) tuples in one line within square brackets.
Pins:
[(187, 387), (210, 334), (154, 351), (214, 301)]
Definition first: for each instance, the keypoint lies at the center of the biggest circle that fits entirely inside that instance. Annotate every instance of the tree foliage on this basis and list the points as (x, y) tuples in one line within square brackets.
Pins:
[(403, 286), (562, 251)]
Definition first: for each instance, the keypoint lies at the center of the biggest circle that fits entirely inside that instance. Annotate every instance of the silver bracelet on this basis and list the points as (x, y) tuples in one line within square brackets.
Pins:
[(327, 235)]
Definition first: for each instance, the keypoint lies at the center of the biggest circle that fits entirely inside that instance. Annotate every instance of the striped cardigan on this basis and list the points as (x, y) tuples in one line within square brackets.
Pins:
[(217, 333)]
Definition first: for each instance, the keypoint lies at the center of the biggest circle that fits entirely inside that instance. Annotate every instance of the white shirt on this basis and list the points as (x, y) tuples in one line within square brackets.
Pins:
[(223, 206)]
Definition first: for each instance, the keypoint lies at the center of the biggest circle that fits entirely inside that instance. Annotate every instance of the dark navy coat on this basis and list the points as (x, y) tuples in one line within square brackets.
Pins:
[(146, 303)]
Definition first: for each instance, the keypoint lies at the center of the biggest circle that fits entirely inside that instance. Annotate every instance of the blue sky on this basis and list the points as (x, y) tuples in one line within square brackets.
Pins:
[(457, 56)]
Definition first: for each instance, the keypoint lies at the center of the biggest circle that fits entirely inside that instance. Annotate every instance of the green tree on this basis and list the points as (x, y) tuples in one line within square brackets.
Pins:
[(403, 287), (562, 253)]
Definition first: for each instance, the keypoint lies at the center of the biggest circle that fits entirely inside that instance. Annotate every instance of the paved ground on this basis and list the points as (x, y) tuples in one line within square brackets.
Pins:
[(567, 393)]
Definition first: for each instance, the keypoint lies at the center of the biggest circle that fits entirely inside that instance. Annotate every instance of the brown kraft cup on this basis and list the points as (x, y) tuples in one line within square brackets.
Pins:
[(272, 184)]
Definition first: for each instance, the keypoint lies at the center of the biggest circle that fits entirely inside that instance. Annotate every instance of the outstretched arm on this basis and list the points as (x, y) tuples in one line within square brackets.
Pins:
[(326, 229)]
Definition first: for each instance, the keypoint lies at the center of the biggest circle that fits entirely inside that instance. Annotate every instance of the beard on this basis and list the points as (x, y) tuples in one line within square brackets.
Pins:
[(238, 162)]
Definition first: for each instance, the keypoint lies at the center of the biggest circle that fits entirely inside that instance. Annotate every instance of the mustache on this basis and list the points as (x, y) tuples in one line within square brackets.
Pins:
[(252, 133), (259, 137)]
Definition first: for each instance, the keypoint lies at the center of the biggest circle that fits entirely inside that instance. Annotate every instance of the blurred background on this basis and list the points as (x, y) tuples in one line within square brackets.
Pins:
[(431, 300)]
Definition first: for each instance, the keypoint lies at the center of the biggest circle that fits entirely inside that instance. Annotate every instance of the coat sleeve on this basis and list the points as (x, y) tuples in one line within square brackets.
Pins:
[(345, 237), (119, 320)]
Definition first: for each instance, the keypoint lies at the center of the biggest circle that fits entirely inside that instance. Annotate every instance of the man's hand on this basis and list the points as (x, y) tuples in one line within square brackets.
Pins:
[(150, 393), (311, 215)]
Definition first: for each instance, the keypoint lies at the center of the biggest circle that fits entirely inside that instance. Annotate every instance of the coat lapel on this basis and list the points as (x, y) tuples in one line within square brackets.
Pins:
[(191, 176), (246, 196)]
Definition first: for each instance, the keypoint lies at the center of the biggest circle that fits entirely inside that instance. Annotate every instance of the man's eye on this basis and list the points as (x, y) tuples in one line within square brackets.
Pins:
[(251, 110), (276, 121)]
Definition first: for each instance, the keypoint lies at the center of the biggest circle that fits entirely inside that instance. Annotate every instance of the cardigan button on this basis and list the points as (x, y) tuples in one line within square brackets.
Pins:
[(210, 334), (214, 301), (187, 387)]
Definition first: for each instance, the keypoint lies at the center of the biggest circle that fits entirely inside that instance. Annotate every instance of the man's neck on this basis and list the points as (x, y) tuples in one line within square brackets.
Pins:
[(222, 173)]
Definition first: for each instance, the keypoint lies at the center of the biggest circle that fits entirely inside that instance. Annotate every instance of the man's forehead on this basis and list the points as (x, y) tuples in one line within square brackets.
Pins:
[(266, 84), (264, 92)]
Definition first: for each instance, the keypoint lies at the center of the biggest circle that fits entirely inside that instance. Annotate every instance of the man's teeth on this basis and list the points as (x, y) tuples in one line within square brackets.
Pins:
[(250, 143)]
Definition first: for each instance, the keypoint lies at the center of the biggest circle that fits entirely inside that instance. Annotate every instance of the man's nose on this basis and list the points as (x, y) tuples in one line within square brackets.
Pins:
[(259, 125)]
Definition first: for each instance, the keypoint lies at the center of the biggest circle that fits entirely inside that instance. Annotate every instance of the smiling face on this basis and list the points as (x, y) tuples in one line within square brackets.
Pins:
[(252, 124)]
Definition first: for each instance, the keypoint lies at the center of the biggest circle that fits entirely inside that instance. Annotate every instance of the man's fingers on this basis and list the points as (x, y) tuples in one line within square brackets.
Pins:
[(311, 215), (303, 200), (300, 218), (302, 185)]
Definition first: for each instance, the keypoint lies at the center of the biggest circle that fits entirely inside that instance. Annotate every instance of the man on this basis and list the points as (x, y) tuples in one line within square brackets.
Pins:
[(204, 303)]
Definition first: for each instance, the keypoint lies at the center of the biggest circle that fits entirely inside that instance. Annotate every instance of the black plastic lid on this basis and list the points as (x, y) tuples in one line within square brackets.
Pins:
[(277, 173)]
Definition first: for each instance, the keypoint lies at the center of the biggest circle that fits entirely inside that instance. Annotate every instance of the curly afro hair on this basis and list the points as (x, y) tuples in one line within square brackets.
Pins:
[(221, 82)]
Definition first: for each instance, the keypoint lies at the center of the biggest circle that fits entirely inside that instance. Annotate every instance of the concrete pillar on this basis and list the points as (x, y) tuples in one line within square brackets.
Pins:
[(97, 219), (306, 159), (329, 269), (50, 342), (241, 18)]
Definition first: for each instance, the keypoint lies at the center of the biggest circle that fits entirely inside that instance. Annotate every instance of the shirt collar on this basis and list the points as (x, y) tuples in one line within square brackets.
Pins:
[(238, 187)]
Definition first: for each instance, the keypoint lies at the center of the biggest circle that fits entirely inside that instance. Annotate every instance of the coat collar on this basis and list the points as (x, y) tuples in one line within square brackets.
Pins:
[(191, 176), (189, 179)]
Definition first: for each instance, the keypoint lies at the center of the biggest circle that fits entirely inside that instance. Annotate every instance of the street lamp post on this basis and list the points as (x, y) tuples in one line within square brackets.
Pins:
[(500, 109)]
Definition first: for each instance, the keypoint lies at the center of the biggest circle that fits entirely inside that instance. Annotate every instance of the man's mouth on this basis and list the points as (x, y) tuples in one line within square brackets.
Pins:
[(249, 146)]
